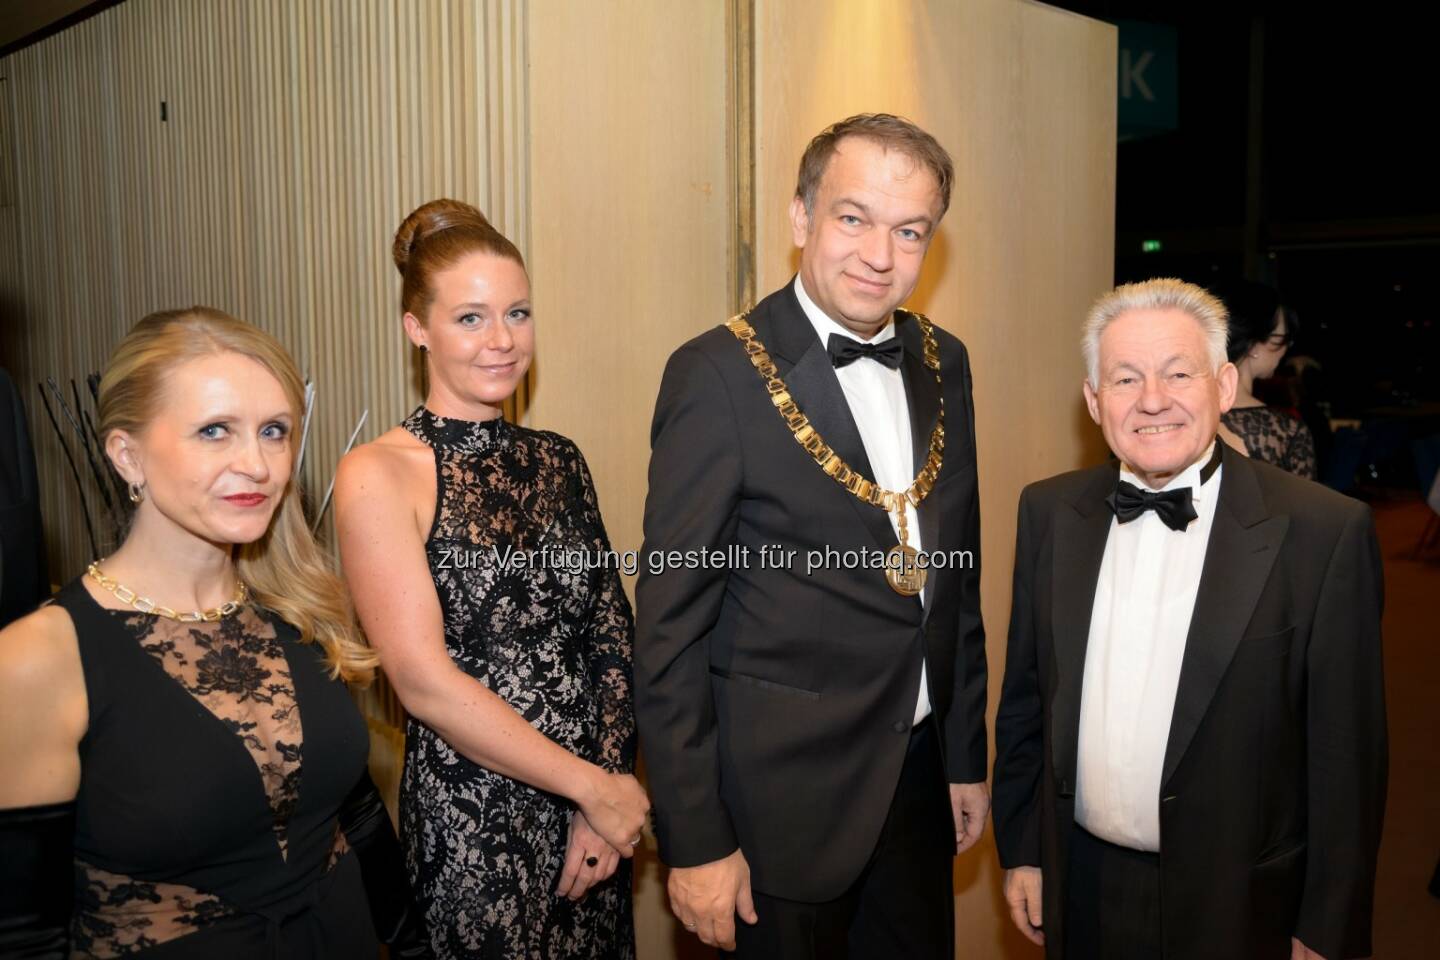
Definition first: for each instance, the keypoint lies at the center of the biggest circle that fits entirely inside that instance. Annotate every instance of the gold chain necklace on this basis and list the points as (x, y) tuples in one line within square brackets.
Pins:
[(902, 569), (145, 605)]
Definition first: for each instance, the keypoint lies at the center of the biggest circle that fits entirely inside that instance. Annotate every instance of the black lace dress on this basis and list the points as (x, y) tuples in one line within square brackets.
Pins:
[(534, 610), (1274, 436), (217, 758)]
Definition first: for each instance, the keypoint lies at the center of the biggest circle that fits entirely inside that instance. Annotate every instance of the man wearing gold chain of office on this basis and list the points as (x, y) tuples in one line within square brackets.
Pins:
[(815, 738)]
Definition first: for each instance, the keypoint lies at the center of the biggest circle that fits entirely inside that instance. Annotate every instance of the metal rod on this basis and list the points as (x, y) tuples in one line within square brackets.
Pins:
[(324, 504)]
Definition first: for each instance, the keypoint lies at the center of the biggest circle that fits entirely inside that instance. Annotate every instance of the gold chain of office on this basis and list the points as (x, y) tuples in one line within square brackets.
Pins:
[(902, 570)]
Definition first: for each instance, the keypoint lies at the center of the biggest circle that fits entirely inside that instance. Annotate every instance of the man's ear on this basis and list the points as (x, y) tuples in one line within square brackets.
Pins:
[(1092, 400), (799, 221), (1228, 380)]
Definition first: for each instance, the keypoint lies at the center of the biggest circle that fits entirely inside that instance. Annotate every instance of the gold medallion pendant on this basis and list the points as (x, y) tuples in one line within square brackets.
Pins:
[(902, 568), (903, 571)]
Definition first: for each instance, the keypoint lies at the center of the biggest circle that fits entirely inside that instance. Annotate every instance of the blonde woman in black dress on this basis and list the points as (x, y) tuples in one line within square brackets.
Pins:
[(176, 736), (517, 804)]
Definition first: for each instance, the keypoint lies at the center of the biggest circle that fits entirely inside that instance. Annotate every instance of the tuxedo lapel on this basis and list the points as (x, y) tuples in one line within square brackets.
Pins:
[(1244, 542), (813, 386), (1082, 528), (922, 396)]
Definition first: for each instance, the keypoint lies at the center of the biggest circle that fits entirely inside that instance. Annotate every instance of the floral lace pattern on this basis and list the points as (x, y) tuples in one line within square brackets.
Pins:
[(116, 915), (236, 668), (551, 636), (1272, 435)]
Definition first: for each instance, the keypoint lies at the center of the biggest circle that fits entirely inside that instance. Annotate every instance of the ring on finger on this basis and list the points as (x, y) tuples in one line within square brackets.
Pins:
[(592, 860)]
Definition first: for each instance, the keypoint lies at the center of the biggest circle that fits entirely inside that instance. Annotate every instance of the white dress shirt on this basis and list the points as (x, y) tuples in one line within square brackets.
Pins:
[(876, 396), (1144, 600)]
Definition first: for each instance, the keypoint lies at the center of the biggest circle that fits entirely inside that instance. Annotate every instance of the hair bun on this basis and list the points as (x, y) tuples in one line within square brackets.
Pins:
[(429, 219)]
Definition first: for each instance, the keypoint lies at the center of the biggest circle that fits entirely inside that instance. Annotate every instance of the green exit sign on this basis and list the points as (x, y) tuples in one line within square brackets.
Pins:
[(1149, 246)]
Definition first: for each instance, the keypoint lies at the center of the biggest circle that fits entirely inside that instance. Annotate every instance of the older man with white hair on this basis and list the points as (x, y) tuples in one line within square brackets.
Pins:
[(1190, 745)]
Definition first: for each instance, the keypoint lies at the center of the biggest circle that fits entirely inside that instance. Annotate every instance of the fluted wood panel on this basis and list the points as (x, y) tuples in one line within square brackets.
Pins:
[(295, 135), (1023, 97)]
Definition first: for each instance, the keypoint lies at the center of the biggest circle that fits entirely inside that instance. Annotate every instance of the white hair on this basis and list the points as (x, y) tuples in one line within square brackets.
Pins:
[(1162, 293)]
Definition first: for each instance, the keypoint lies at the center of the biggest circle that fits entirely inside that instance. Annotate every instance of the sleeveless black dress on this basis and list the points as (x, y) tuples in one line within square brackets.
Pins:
[(216, 759), (551, 635)]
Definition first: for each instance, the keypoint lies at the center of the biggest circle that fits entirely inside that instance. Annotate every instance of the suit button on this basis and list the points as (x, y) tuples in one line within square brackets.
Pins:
[(900, 726)]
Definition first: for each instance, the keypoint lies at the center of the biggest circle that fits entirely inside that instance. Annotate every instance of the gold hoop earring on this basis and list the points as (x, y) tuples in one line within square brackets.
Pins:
[(136, 492)]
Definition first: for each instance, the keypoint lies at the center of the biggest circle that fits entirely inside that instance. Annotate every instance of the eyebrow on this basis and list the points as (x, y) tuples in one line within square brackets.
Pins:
[(1127, 365), (476, 305), (227, 417), (919, 218)]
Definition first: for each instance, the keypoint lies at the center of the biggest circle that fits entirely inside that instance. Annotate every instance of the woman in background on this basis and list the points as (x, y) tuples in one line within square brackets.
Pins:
[(1260, 334), (517, 802), (176, 735)]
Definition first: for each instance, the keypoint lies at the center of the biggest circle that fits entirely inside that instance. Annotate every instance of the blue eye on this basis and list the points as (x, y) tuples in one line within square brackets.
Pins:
[(469, 320), (909, 234), (850, 220), (275, 431), (519, 315), (212, 431)]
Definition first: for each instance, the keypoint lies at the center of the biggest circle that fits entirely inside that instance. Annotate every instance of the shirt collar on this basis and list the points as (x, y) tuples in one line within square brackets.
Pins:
[(1189, 477), (824, 326)]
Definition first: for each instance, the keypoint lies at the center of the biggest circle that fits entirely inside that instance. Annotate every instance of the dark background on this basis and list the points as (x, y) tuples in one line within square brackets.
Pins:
[(1304, 157)]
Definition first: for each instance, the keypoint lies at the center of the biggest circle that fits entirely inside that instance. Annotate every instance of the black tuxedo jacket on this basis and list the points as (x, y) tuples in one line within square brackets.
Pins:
[(775, 706), (1273, 786)]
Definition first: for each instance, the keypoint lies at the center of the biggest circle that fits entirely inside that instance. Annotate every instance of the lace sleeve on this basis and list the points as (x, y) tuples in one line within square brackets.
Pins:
[(610, 628), (1300, 457)]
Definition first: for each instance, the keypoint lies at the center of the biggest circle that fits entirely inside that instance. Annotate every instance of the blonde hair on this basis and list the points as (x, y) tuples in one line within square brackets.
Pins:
[(1161, 293), (285, 569)]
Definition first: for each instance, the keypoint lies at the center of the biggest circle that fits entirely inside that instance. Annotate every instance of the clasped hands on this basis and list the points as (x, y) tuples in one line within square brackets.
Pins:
[(605, 828)]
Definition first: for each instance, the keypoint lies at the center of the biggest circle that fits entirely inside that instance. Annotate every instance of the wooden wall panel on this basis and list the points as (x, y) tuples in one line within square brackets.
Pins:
[(295, 136), (631, 224)]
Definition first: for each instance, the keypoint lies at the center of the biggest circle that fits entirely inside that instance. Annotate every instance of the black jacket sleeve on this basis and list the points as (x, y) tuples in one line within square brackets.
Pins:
[(966, 743), (695, 485), (1019, 722), (1347, 753), (37, 881), (369, 833)]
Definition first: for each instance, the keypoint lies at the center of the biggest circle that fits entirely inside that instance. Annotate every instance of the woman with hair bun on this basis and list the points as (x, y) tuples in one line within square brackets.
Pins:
[(518, 808), (177, 738)]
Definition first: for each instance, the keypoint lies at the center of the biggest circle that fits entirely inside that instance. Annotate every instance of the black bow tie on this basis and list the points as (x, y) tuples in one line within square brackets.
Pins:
[(1173, 507), (844, 351)]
